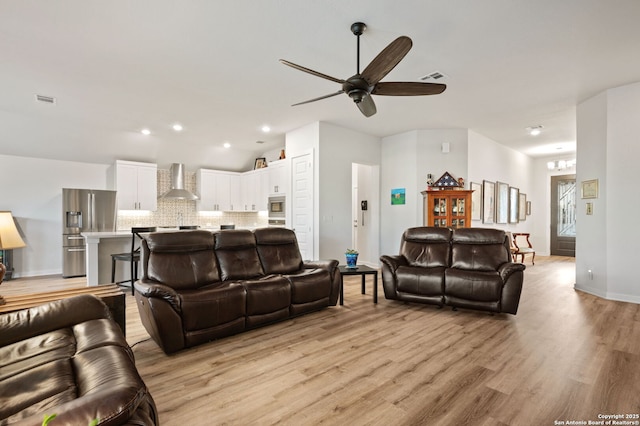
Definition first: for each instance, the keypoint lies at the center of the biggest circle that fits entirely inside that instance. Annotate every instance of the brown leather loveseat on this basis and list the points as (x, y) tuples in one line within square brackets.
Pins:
[(70, 359), (466, 268), (197, 286)]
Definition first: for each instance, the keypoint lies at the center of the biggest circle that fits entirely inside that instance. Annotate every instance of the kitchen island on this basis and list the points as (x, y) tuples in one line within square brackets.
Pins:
[(101, 245)]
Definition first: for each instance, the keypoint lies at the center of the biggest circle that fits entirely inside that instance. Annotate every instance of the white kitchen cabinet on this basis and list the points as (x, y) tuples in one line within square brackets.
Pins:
[(218, 190), (278, 177), (254, 189), (137, 185)]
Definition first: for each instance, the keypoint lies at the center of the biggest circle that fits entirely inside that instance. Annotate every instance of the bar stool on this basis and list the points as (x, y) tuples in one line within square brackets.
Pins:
[(133, 256)]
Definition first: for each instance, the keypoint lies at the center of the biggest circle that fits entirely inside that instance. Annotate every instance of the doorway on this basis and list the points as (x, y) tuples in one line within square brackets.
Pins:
[(563, 215), (365, 206)]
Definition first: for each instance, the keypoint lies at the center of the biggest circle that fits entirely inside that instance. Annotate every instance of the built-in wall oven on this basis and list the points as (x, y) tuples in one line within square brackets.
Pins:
[(277, 207), (277, 210)]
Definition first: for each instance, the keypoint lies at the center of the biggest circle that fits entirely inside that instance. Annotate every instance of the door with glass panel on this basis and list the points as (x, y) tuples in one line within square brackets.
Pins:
[(563, 215)]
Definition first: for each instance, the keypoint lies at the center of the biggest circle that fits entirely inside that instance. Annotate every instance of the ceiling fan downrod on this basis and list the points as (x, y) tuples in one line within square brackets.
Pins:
[(357, 28)]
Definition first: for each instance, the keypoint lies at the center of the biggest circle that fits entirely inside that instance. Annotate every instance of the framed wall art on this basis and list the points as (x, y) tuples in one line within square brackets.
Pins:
[(488, 201), (522, 207), (398, 196), (476, 201), (590, 188), (502, 202), (514, 203)]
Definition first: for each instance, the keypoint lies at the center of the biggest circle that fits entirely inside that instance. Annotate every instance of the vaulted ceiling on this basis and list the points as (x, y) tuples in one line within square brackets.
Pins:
[(116, 67)]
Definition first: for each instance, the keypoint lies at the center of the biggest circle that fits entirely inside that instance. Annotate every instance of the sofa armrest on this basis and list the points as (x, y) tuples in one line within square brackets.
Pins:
[(331, 266), (507, 269), (26, 323), (393, 261), (152, 289), (512, 275), (328, 265), (390, 264)]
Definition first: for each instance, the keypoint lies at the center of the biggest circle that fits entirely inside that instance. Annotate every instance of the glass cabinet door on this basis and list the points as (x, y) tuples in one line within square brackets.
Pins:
[(439, 206)]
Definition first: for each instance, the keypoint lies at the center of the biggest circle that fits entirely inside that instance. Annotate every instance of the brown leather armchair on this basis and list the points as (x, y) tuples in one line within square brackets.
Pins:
[(466, 268), (70, 359)]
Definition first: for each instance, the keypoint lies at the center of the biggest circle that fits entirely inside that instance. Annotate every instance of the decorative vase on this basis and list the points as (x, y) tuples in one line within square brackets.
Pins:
[(352, 259)]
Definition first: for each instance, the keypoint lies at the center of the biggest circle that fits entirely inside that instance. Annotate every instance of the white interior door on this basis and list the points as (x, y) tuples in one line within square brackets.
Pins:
[(302, 203)]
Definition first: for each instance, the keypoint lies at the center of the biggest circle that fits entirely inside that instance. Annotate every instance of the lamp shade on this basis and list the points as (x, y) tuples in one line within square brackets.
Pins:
[(9, 236)]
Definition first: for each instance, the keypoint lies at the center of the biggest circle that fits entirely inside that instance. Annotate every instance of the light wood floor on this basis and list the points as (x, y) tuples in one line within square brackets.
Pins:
[(567, 355)]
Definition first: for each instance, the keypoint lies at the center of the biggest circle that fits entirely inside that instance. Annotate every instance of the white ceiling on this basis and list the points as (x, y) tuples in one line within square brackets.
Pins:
[(118, 66)]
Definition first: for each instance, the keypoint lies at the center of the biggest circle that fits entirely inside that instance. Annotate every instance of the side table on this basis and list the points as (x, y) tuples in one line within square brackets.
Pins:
[(110, 294), (361, 270)]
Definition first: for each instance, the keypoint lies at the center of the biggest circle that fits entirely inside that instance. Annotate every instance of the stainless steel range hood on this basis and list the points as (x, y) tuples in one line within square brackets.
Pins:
[(177, 191)]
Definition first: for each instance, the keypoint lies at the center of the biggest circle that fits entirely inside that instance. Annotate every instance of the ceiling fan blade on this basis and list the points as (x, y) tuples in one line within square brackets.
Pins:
[(408, 88), (366, 106), (321, 97), (312, 72), (387, 59)]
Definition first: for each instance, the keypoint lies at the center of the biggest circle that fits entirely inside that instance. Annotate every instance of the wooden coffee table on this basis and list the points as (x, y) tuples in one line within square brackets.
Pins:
[(361, 270), (110, 294)]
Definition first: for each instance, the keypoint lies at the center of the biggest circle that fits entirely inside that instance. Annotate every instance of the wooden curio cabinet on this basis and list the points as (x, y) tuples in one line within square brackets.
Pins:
[(447, 208)]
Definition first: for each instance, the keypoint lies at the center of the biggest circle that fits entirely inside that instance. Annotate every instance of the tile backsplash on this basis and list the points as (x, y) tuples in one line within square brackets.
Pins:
[(182, 212)]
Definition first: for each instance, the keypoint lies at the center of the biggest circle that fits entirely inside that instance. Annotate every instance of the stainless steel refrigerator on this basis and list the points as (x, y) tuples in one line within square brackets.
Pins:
[(83, 210)]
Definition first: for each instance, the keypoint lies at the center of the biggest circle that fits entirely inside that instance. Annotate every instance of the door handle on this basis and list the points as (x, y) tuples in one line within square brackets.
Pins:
[(76, 249)]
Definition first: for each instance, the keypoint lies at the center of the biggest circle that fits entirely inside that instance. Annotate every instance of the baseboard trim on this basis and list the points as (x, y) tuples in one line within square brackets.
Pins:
[(617, 297)]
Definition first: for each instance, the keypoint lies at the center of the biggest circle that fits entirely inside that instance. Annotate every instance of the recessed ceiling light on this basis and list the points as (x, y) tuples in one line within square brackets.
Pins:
[(177, 127), (266, 129), (227, 145), (146, 132), (534, 130)]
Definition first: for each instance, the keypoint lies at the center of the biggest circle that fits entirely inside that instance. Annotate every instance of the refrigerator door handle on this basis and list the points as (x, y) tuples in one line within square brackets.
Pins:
[(77, 249)]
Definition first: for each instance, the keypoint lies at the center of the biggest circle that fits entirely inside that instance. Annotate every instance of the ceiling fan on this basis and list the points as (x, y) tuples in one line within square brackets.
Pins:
[(361, 86)]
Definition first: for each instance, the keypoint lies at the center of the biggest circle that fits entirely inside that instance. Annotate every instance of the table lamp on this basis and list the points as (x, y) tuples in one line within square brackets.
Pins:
[(9, 239)]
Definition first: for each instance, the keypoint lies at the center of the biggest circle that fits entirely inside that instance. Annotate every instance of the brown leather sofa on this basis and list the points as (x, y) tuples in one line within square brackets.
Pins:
[(197, 286), (70, 359), (463, 268)]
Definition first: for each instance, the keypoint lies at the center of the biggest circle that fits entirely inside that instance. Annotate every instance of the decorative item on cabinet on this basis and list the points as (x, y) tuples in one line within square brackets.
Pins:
[(447, 208), (260, 163), (429, 180), (282, 155), (446, 181)]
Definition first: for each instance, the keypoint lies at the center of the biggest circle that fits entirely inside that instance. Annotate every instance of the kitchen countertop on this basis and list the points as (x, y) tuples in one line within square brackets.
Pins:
[(127, 233)]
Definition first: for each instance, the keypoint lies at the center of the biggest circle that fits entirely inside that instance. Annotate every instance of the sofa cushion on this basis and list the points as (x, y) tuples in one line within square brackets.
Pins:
[(473, 285), (237, 255), (479, 249), (426, 247), (180, 260), (421, 281), (213, 305), (268, 299), (278, 250)]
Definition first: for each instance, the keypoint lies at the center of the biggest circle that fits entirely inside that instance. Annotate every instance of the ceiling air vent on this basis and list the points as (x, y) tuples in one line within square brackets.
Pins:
[(46, 99), (436, 75)]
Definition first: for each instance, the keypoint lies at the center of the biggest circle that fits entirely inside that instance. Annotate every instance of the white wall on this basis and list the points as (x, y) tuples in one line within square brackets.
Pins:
[(399, 170), (608, 150), (338, 149), (591, 231), (489, 160), (431, 159), (33, 192)]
